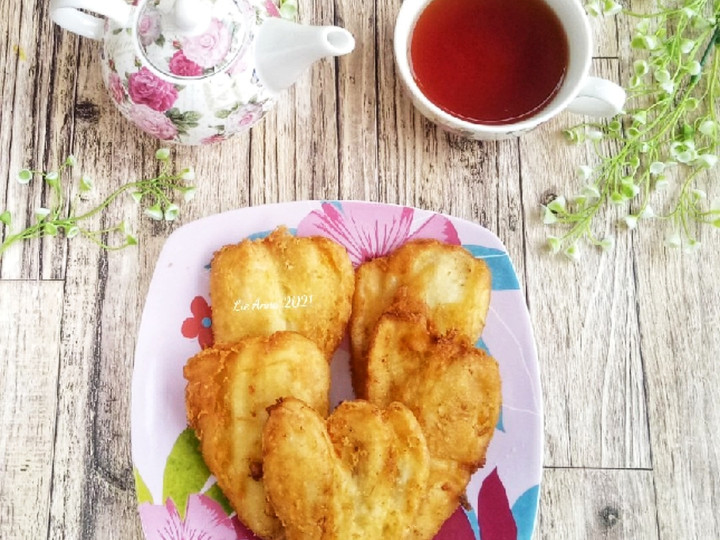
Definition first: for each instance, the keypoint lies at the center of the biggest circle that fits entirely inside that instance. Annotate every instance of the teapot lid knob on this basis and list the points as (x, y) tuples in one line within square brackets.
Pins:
[(192, 39)]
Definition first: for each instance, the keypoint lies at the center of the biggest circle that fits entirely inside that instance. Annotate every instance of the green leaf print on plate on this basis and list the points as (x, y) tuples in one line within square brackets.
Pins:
[(185, 471), (143, 493)]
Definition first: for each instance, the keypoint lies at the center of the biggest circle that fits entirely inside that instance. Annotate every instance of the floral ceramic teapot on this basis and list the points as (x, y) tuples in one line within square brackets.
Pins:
[(198, 71)]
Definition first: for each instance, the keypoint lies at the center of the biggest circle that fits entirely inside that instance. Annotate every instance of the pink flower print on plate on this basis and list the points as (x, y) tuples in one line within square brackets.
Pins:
[(153, 122), (272, 9), (148, 27), (204, 519), (368, 231), (208, 49), (147, 89), (180, 65)]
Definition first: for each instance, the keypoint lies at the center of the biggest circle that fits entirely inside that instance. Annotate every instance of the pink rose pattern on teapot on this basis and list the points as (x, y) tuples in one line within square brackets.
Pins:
[(164, 99), (209, 48)]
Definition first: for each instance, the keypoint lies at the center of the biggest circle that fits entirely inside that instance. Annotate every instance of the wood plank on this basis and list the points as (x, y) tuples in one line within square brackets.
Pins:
[(610, 504), (32, 95), (358, 103), (679, 317), (93, 488), (301, 135), (30, 318), (585, 319)]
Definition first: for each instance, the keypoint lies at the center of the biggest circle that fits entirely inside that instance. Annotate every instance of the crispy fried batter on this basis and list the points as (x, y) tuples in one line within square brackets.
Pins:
[(282, 283), (229, 388), (454, 285), (451, 387), (360, 475)]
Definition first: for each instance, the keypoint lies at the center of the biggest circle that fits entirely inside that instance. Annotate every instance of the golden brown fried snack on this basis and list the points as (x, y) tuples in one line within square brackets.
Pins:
[(452, 388), (282, 282), (229, 389), (448, 279), (360, 475)]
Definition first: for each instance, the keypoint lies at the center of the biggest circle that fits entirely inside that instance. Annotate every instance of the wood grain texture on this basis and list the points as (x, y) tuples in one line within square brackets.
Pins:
[(679, 317), (598, 503), (627, 340), (29, 392), (593, 373)]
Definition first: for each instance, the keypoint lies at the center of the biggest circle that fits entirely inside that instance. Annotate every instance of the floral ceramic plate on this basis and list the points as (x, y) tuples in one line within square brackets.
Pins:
[(178, 497)]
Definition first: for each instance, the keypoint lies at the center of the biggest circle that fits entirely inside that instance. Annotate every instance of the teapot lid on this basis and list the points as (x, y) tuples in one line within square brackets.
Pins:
[(193, 39)]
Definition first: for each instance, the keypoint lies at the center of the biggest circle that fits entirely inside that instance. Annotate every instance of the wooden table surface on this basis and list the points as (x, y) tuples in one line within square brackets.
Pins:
[(628, 340)]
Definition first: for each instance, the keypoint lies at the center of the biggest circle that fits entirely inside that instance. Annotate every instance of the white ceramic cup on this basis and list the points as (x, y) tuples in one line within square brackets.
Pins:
[(579, 93)]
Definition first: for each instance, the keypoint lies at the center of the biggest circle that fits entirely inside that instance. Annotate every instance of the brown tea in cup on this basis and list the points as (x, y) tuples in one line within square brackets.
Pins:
[(489, 61)]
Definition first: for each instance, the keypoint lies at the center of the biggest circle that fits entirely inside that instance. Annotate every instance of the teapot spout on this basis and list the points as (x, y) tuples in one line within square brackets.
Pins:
[(284, 50)]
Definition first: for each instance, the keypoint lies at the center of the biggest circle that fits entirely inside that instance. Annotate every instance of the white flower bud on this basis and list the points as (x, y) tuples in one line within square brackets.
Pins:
[(630, 221), (673, 240)]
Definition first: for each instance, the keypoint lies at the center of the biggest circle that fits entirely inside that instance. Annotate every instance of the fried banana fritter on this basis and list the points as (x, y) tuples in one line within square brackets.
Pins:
[(282, 282), (228, 391), (448, 279), (360, 475), (452, 388)]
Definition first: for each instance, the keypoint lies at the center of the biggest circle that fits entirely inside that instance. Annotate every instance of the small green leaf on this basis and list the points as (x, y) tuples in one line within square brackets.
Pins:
[(554, 244), (617, 198), (549, 217), (162, 154), (6, 218), (189, 193), (593, 9), (185, 471), (288, 9), (191, 116), (188, 174), (155, 212), (640, 67), (584, 172), (171, 212), (558, 205), (572, 252), (24, 176), (607, 243), (86, 184), (591, 191), (223, 113), (50, 229)]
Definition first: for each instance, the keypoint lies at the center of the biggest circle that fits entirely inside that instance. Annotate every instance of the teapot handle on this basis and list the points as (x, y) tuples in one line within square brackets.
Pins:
[(66, 13)]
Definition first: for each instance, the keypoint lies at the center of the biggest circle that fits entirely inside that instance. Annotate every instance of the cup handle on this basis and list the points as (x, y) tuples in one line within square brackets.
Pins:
[(67, 14), (599, 97)]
